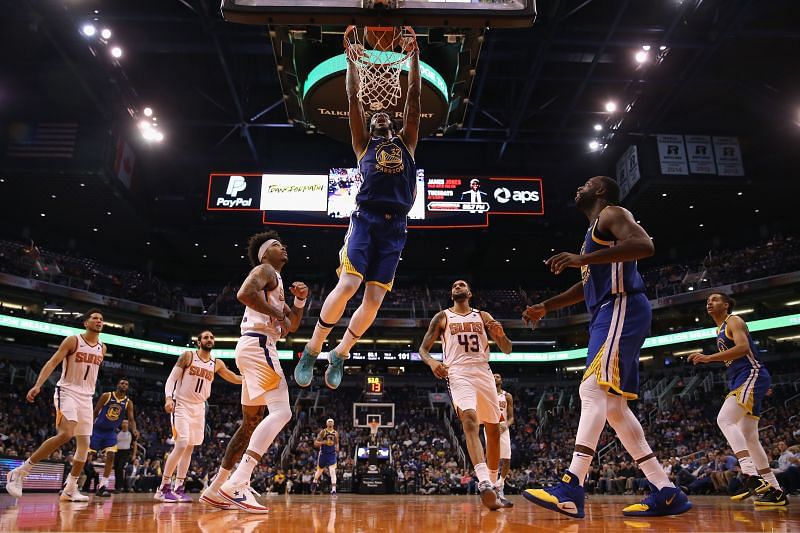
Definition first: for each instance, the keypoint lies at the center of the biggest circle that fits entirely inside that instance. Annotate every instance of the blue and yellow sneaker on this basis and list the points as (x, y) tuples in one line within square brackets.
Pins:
[(335, 371), (304, 371), (566, 498), (664, 502)]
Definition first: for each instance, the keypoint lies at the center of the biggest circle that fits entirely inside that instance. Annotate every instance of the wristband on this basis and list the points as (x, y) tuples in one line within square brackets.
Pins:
[(299, 303)]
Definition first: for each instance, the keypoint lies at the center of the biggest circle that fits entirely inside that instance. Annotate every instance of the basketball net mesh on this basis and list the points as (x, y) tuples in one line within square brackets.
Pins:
[(379, 68)]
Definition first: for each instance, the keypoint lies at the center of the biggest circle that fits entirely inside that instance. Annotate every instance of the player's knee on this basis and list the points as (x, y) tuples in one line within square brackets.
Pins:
[(181, 445), (81, 453), (65, 434), (615, 413), (470, 422), (723, 421), (249, 423), (348, 285), (283, 415)]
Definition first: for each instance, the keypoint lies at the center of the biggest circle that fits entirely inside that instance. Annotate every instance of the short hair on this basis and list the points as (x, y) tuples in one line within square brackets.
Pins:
[(255, 242), (612, 189), (200, 334), (728, 300), (88, 314), (123, 379), (474, 180)]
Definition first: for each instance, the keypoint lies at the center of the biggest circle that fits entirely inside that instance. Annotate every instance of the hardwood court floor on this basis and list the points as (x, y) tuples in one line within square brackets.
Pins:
[(354, 513)]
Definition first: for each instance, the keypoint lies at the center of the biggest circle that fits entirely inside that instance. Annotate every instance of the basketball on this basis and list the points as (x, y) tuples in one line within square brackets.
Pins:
[(382, 38)]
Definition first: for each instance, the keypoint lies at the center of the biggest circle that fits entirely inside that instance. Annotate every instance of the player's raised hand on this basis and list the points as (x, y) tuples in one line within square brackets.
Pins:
[(533, 314), (169, 405), (299, 290), (438, 369), (33, 393), (559, 262), (698, 358), (495, 329)]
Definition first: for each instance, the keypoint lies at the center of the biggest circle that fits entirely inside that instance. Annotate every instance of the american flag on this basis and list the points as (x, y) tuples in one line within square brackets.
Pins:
[(42, 140)]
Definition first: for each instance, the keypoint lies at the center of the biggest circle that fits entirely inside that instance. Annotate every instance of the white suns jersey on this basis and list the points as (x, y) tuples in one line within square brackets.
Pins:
[(255, 322), (195, 383), (501, 399), (464, 339), (79, 369)]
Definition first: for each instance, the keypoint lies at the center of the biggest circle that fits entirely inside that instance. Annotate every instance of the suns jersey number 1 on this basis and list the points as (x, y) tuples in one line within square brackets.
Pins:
[(464, 339)]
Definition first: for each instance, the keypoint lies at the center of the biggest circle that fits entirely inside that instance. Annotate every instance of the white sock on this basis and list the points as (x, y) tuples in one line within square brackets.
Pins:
[(772, 480), (501, 482), (747, 466), (166, 481), (179, 482), (221, 477), (102, 481), (493, 476), (72, 482), (580, 466), (244, 470), (25, 468), (655, 473), (482, 471)]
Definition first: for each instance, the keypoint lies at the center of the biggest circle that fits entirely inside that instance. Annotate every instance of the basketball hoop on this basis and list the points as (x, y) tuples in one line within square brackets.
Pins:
[(379, 52), (373, 428)]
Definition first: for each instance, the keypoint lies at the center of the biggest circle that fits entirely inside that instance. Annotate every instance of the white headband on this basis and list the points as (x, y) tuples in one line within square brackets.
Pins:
[(329, 420), (263, 249)]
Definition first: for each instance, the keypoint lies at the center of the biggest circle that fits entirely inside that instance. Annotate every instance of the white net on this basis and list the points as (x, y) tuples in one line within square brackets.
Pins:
[(378, 54)]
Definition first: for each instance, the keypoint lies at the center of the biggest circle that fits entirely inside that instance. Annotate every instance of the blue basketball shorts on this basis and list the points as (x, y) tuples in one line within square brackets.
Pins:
[(326, 459), (616, 334), (749, 387), (103, 440), (372, 247)]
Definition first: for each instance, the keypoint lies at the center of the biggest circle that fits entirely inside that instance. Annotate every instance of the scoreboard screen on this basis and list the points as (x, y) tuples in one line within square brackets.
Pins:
[(374, 385), (327, 200)]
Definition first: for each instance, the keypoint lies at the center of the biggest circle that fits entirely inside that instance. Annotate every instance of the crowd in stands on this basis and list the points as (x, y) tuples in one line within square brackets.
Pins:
[(776, 255), (425, 460)]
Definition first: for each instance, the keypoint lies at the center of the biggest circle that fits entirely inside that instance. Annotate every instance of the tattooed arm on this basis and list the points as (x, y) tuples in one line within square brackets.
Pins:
[(251, 293)]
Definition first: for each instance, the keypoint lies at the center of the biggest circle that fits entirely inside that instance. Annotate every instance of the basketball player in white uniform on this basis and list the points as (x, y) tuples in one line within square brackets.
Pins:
[(506, 403), (80, 357), (266, 319), (186, 391), (463, 332)]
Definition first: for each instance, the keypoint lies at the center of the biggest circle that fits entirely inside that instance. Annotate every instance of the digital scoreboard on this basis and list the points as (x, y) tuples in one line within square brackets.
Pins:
[(329, 199), (374, 386)]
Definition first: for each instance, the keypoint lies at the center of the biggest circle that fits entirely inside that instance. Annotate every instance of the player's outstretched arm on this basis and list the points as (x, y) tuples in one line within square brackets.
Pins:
[(251, 293), (496, 332), (67, 346), (534, 313), (413, 108), (295, 314), (225, 373), (434, 332), (738, 330), (358, 124)]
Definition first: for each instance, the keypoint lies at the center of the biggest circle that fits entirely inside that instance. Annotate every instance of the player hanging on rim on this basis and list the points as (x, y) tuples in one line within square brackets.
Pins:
[(266, 319), (186, 391), (109, 412), (328, 443), (465, 366), (377, 232), (748, 381), (620, 312), (506, 402), (80, 357)]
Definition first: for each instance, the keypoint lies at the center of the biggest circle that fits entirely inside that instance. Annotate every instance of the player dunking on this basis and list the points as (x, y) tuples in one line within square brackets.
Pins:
[(80, 357), (506, 402), (377, 232), (328, 443), (109, 412), (266, 319), (465, 365), (748, 381), (186, 391), (614, 294)]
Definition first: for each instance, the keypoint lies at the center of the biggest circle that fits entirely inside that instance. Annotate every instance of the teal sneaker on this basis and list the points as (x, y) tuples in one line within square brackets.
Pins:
[(335, 371), (304, 371)]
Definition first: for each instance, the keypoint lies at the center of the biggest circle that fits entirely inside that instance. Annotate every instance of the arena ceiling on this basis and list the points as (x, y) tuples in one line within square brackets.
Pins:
[(717, 67)]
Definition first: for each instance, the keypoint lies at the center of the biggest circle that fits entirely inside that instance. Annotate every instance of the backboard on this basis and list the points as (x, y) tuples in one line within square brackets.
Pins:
[(443, 13)]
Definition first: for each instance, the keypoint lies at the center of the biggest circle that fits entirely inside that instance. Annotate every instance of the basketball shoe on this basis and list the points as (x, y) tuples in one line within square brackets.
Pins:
[(335, 371), (165, 494), (772, 498), (566, 498), (14, 479), (304, 371), (752, 486), (488, 496), (180, 493), (242, 496), (499, 489), (72, 494), (664, 502), (214, 499)]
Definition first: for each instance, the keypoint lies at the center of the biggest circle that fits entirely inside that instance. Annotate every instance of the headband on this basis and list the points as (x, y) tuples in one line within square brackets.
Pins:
[(263, 248)]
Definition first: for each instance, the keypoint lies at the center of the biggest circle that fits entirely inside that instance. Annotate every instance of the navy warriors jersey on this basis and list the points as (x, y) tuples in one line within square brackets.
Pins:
[(112, 413), (389, 174), (602, 282), (328, 441), (750, 362)]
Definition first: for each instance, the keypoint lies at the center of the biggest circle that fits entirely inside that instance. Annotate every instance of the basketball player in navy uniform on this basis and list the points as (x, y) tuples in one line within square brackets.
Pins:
[(748, 382), (328, 443), (377, 232), (109, 411), (620, 313)]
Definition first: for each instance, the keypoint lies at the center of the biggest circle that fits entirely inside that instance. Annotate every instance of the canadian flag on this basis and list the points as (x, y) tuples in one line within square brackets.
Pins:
[(124, 162)]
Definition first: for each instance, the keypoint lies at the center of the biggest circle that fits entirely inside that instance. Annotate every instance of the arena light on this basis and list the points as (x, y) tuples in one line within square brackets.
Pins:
[(790, 338), (105, 34), (646, 47), (594, 145), (116, 52), (89, 30), (743, 311), (793, 302), (611, 106), (148, 112), (393, 341), (598, 127), (646, 358), (687, 352), (642, 57), (9, 305), (571, 368)]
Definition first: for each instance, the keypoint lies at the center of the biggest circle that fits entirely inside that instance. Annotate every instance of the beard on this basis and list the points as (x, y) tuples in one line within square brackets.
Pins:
[(460, 297)]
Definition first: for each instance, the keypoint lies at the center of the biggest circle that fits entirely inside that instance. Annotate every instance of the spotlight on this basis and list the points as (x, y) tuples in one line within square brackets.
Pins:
[(594, 145), (598, 127), (89, 30), (611, 107), (159, 136), (144, 125), (646, 47), (642, 56), (116, 52), (148, 112), (105, 34)]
